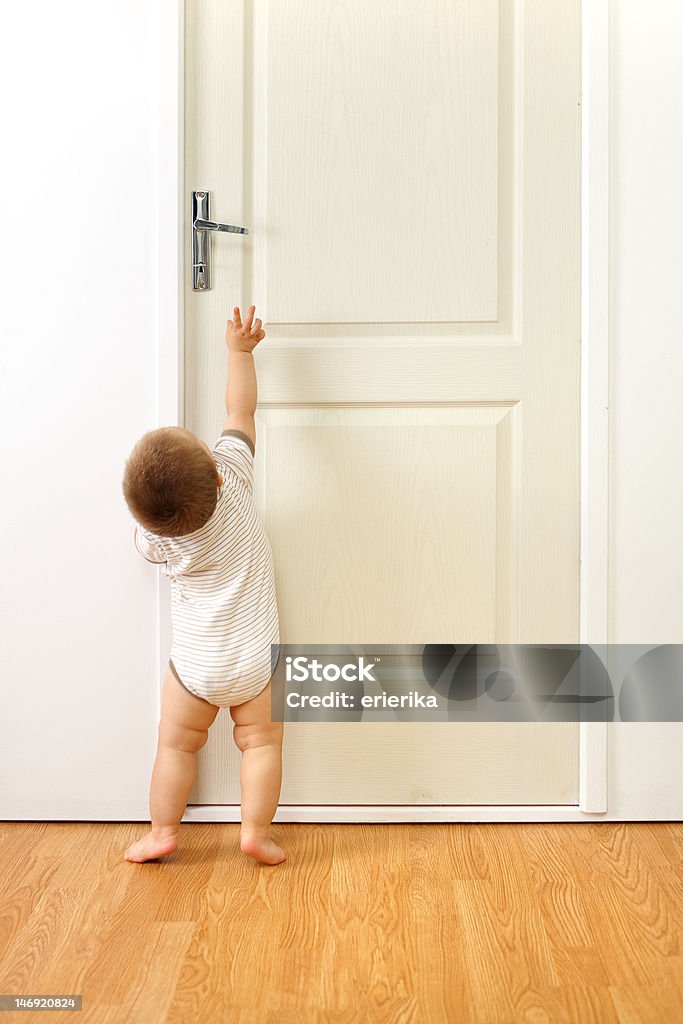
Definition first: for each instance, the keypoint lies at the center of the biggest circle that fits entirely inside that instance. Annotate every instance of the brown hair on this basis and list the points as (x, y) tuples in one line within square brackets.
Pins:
[(169, 483)]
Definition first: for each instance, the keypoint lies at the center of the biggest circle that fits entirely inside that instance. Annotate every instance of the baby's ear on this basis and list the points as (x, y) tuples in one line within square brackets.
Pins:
[(220, 479)]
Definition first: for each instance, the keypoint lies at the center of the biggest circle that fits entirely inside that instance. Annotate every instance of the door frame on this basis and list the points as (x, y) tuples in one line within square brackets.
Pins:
[(594, 525)]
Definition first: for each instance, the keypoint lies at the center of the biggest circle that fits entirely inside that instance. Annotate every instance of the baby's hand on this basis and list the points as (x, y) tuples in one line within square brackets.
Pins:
[(242, 337)]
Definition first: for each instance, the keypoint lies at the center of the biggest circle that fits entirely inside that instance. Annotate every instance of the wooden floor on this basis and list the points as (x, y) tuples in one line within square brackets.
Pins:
[(422, 923)]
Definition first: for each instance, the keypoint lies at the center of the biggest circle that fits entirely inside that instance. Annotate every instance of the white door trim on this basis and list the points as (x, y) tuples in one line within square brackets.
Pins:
[(171, 258), (594, 575), (594, 402)]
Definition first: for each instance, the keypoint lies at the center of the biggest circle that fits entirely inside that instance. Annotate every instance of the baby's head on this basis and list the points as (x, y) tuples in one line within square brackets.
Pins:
[(170, 482)]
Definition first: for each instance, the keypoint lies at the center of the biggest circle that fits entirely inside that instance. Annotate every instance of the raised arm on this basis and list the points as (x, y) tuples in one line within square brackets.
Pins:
[(241, 392)]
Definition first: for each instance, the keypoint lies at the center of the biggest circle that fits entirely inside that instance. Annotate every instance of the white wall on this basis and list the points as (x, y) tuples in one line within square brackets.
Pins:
[(78, 179), (646, 257), (646, 369)]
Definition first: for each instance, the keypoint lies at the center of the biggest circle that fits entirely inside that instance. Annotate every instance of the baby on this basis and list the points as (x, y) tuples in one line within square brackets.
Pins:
[(195, 514)]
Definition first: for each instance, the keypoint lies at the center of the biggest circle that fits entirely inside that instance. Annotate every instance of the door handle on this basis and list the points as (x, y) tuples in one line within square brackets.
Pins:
[(201, 239)]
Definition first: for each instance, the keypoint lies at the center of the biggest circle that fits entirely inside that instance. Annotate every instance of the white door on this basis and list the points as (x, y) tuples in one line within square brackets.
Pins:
[(410, 176)]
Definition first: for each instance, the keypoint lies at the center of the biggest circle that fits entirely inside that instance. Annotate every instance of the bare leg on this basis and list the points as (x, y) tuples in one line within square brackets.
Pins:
[(260, 741), (183, 730)]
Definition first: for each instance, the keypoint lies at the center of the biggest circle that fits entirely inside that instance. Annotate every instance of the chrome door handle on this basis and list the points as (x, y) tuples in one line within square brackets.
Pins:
[(201, 240), (212, 225)]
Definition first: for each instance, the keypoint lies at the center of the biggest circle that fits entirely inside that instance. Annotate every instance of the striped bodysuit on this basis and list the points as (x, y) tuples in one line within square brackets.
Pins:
[(223, 602)]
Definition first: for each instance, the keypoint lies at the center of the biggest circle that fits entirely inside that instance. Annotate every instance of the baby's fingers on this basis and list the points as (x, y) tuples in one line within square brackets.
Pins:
[(250, 315)]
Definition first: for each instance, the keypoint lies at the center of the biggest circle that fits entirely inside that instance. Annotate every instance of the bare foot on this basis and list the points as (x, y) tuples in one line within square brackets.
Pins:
[(150, 847), (262, 849)]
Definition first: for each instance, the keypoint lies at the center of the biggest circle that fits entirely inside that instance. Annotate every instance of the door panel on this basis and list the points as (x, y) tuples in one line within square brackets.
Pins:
[(386, 520), (380, 126), (410, 176)]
